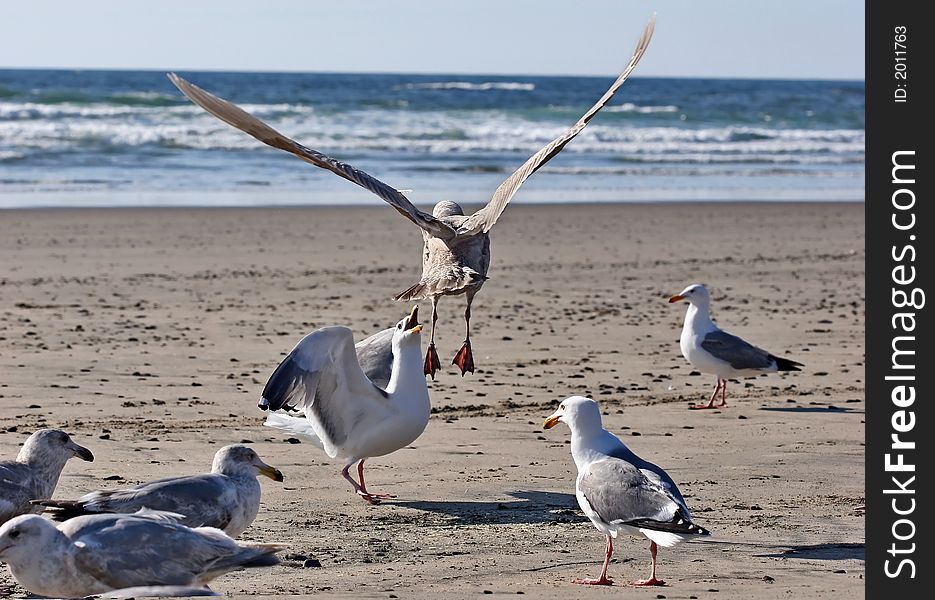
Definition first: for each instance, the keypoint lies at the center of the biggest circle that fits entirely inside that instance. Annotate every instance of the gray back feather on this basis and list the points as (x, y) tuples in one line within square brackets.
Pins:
[(375, 355)]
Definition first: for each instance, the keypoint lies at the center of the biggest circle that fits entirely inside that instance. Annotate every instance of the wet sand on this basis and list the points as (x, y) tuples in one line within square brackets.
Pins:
[(149, 334)]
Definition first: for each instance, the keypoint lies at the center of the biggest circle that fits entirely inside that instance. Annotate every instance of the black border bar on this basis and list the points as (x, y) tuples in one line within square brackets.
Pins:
[(900, 369)]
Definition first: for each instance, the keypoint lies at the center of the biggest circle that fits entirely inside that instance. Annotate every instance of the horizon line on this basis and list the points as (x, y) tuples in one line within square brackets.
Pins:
[(425, 73)]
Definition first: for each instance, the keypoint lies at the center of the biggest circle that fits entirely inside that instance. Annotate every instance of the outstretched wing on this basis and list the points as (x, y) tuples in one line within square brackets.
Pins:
[(244, 121), (375, 355), (322, 377), (485, 218), (735, 351)]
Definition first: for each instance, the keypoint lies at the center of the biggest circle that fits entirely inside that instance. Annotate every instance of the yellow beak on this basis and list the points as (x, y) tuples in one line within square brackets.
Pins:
[(412, 323), (550, 422), (676, 298), (271, 472)]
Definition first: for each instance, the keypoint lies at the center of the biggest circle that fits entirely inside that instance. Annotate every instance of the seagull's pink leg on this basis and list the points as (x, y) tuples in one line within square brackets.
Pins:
[(723, 394), (710, 403), (432, 363), (357, 489), (363, 485), (652, 578), (465, 358), (602, 580)]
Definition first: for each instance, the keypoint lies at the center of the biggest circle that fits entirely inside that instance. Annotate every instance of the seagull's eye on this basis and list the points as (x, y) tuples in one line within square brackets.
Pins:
[(15, 533), (400, 326), (561, 407)]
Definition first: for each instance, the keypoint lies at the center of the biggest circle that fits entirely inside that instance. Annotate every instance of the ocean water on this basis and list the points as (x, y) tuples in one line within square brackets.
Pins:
[(76, 138)]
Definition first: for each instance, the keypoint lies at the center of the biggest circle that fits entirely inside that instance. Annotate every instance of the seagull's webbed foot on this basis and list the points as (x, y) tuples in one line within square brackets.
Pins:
[(464, 358), (647, 582), (432, 363), (602, 580), (704, 406)]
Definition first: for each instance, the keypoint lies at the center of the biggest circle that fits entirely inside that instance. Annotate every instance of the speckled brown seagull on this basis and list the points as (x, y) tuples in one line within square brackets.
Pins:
[(456, 246)]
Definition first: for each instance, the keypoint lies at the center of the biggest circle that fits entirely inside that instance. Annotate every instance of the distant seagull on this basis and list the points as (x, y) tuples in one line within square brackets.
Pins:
[(456, 251), (227, 498), (96, 554), (711, 350), (619, 491), (35, 472), (346, 413)]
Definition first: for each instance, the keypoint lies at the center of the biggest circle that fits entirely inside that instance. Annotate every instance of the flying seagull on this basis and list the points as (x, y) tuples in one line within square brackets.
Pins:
[(35, 472), (345, 411), (96, 554), (619, 491), (711, 350), (456, 251), (227, 498)]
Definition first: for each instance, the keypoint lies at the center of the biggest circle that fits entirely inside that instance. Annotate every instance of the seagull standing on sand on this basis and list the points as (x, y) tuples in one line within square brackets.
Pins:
[(96, 554), (35, 472), (227, 498), (711, 350), (456, 249), (346, 413), (619, 491)]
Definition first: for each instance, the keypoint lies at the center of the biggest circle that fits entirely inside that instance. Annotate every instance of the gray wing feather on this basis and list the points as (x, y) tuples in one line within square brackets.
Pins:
[(375, 355), (485, 218), (17, 488), (244, 121), (129, 551), (205, 500), (620, 493), (735, 351)]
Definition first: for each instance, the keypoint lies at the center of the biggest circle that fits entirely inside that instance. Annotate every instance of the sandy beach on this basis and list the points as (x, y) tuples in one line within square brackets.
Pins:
[(148, 334)]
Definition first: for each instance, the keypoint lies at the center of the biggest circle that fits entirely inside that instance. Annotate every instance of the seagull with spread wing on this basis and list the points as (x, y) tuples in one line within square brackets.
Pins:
[(456, 251), (348, 409), (711, 350)]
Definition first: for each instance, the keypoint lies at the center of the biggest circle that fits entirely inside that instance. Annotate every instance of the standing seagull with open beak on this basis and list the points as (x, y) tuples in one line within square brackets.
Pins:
[(456, 251), (711, 350)]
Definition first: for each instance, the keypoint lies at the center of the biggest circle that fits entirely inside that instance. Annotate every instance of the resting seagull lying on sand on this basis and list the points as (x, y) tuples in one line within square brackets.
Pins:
[(227, 498), (96, 554), (711, 350), (35, 472), (456, 247), (346, 412), (619, 491)]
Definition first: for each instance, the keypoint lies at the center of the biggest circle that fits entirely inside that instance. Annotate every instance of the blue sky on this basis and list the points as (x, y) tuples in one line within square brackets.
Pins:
[(795, 39)]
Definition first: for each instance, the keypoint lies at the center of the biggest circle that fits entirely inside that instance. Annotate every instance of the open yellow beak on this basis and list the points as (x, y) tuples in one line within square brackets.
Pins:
[(550, 422), (271, 472), (676, 298), (412, 323)]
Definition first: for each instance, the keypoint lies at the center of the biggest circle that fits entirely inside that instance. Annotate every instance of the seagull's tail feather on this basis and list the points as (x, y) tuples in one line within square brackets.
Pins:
[(416, 292), (62, 510), (294, 425), (261, 555), (668, 533), (784, 364)]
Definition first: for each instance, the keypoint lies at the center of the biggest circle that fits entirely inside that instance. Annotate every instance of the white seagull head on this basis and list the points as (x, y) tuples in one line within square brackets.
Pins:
[(51, 447), (696, 294), (408, 330), (20, 537), (579, 413), (238, 459)]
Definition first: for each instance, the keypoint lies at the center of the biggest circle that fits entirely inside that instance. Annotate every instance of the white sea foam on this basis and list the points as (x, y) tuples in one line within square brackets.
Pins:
[(471, 86)]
